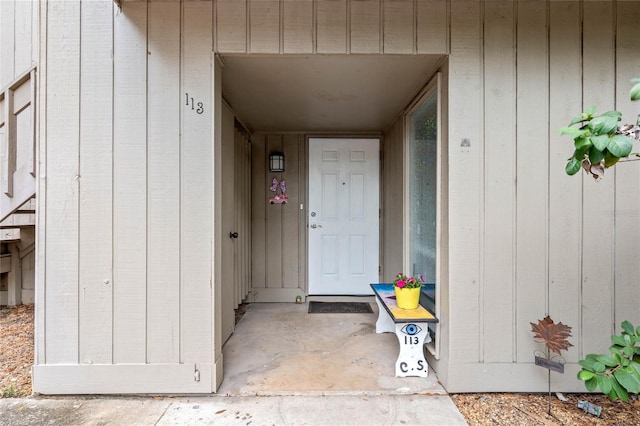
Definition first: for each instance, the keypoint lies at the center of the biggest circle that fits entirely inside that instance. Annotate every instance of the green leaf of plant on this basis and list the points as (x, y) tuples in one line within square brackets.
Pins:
[(613, 395), (634, 94), (603, 124), (628, 327), (591, 384), (607, 360), (620, 391), (618, 340), (600, 141), (616, 114), (625, 362), (634, 373), (604, 383), (595, 156), (627, 339), (586, 363), (591, 110), (638, 331), (583, 144), (610, 159), (579, 119), (572, 132), (585, 375), (627, 381), (572, 167), (615, 348), (636, 367), (620, 145), (599, 367), (628, 351)]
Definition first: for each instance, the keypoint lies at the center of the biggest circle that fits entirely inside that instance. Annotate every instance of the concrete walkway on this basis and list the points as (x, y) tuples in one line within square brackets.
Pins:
[(282, 367)]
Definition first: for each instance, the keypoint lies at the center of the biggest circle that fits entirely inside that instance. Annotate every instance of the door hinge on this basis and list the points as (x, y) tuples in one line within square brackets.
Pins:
[(196, 375)]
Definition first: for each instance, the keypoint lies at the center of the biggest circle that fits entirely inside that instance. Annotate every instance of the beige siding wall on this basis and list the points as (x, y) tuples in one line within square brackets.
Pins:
[(125, 198), (524, 238), (278, 257), (392, 199), (18, 38), (520, 238), (331, 26)]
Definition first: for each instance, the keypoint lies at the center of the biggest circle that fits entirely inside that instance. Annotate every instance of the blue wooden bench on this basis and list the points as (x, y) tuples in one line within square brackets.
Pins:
[(411, 327)]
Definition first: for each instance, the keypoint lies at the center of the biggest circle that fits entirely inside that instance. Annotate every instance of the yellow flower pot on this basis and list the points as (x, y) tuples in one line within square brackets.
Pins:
[(407, 298)]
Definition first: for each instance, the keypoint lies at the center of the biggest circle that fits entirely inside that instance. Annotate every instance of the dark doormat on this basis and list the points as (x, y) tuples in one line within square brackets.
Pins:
[(339, 308)]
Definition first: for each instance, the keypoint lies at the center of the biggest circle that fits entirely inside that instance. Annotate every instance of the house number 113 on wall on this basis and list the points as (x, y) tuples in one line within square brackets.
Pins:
[(198, 107)]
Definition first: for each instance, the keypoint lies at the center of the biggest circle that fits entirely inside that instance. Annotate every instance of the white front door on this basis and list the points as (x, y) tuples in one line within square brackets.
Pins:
[(344, 206)]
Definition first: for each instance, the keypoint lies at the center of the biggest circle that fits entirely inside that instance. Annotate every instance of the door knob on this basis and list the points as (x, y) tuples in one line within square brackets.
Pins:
[(313, 226), (233, 235)]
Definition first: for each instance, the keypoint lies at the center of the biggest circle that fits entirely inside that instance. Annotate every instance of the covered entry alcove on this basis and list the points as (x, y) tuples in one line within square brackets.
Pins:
[(152, 102)]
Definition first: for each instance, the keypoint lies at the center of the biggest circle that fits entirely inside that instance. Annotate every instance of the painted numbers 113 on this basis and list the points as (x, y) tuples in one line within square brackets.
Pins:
[(198, 107)]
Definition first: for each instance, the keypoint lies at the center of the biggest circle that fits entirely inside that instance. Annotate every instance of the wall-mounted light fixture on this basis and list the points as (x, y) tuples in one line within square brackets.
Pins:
[(276, 162)]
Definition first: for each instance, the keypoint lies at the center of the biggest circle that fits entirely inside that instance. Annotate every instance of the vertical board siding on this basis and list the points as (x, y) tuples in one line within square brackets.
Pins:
[(598, 75), (432, 26), (163, 182), (274, 221), (278, 231), (532, 105), (465, 171), (565, 193), (264, 30), (231, 26), (365, 26), (258, 212), (392, 217), (291, 144), (41, 199), (499, 181), (331, 26), (96, 209), (23, 35), (196, 186), (399, 26), (130, 183), (627, 176), (297, 26), (61, 263), (7, 42)]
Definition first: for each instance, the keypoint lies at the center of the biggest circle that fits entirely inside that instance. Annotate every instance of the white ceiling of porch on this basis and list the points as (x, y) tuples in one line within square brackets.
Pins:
[(323, 92)]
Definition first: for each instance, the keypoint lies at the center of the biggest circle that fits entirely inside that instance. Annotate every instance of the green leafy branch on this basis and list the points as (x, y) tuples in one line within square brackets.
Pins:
[(617, 374), (600, 141)]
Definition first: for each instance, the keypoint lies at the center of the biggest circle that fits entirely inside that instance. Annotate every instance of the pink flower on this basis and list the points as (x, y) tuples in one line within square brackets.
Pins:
[(421, 278), (401, 283)]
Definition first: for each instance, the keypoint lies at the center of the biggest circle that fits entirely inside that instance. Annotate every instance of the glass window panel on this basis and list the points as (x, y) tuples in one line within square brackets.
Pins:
[(422, 162)]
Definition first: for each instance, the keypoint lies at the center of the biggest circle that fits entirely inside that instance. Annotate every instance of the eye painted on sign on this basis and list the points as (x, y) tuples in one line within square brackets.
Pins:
[(411, 329)]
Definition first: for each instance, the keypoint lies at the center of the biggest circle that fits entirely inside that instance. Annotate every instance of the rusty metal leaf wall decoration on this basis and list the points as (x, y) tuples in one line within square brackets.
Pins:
[(553, 335)]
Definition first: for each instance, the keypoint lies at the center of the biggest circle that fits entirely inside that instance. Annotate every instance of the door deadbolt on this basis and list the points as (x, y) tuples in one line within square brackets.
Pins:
[(233, 235)]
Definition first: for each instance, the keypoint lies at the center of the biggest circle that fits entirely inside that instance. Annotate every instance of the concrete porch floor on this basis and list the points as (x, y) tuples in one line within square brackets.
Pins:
[(280, 349)]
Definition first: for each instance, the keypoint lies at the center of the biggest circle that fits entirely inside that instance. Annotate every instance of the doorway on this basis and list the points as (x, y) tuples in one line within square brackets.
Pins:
[(343, 215)]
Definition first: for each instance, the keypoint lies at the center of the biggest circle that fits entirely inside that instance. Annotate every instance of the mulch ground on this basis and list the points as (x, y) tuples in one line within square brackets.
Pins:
[(16, 358), (16, 350)]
